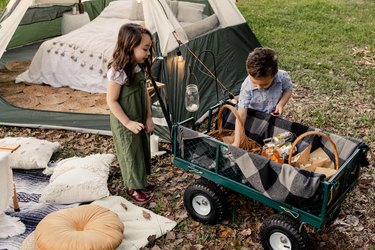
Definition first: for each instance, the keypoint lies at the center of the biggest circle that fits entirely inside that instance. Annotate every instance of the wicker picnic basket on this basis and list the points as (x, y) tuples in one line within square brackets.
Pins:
[(227, 135), (312, 133)]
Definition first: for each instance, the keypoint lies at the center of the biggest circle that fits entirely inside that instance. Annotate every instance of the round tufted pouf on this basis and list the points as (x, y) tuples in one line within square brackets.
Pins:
[(29, 242), (80, 228)]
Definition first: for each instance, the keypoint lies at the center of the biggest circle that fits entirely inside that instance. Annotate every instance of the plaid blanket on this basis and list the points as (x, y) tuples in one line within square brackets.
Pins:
[(30, 184), (280, 182), (261, 125)]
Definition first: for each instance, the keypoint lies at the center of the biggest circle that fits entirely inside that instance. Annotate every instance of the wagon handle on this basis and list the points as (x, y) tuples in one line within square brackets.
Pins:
[(299, 138), (295, 215)]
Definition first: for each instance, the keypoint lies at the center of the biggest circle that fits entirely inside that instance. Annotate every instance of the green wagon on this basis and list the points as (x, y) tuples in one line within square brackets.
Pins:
[(202, 155)]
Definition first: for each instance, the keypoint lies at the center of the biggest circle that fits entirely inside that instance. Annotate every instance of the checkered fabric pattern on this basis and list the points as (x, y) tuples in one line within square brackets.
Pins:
[(261, 125), (280, 182)]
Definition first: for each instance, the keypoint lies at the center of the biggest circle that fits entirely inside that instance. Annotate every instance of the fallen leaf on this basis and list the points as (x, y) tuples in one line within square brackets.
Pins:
[(196, 247), (179, 241), (352, 220), (226, 233), (151, 239), (146, 215), (194, 224), (246, 232), (182, 215), (124, 206), (170, 235)]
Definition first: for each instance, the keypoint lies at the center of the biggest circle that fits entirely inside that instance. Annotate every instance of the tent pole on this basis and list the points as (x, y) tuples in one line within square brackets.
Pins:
[(215, 71), (162, 105)]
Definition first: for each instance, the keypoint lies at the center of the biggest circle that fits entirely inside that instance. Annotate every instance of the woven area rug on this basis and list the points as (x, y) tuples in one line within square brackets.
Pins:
[(45, 97), (30, 185)]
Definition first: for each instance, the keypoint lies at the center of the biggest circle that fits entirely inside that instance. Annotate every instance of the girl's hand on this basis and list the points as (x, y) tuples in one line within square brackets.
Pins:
[(135, 127), (149, 125)]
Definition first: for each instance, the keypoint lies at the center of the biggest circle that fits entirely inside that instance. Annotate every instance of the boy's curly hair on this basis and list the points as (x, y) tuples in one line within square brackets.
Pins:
[(262, 62)]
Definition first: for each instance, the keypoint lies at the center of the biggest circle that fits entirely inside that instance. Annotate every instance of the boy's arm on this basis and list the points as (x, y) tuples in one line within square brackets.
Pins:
[(242, 114), (282, 102)]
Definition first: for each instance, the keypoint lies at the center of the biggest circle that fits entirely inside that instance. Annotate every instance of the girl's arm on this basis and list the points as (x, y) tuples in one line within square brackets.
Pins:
[(149, 122), (282, 102), (113, 93)]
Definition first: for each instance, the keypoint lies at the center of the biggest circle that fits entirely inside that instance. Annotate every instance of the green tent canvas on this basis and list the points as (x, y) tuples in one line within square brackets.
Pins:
[(214, 31)]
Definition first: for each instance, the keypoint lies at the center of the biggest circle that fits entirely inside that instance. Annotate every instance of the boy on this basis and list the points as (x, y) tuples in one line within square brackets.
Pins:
[(266, 88)]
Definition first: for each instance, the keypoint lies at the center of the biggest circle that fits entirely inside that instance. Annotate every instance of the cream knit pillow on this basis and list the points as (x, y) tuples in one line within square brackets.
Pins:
[(79, 179), (32, 154)]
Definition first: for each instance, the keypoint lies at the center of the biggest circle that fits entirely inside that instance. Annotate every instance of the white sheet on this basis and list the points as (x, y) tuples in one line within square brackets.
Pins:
[(78, 59), (137, 227)]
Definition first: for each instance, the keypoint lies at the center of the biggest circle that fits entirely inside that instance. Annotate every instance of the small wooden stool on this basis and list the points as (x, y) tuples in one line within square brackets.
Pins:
[(16, 206)]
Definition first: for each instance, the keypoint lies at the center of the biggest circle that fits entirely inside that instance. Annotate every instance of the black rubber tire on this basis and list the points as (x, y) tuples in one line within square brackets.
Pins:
[(289, 227), (214, 196)]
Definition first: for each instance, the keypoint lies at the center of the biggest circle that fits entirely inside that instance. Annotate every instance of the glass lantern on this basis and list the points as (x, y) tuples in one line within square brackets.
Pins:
[(191, 98)]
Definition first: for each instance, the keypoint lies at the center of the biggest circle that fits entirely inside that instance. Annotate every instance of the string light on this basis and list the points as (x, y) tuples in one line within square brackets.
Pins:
[(179, 55)]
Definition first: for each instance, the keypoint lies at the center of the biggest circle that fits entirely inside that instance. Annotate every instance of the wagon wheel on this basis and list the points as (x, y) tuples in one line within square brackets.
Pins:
[(280, 232), (204, 201)]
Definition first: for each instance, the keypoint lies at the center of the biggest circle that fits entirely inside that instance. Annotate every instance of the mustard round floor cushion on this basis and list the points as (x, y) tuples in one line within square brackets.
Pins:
[(80, 228)]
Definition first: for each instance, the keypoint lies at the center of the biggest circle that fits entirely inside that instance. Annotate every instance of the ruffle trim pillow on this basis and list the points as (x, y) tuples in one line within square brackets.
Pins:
[(97, 163), (79, 179), (32, 154)]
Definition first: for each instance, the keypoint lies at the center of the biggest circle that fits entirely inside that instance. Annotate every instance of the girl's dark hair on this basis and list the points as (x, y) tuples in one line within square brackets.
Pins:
[(129, 37), (262, 62)]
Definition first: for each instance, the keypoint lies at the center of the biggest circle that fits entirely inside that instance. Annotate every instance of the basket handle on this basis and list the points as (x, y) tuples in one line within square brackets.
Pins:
[(299, 138), (234, 111)]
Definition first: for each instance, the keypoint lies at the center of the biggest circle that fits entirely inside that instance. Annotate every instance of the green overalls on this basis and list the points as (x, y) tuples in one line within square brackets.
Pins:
[(133, 150)]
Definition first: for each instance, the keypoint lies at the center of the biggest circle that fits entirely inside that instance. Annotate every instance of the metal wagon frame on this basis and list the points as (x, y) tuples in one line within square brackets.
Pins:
[(204, 197)]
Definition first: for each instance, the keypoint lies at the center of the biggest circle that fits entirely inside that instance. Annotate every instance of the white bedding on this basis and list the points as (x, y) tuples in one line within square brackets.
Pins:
[(78, 59)]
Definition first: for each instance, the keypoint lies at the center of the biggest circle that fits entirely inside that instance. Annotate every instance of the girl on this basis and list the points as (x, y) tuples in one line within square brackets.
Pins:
[(130, 108)]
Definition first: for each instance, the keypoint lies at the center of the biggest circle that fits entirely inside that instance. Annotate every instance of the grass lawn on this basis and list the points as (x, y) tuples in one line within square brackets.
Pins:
[(3, 4), (328, 48)]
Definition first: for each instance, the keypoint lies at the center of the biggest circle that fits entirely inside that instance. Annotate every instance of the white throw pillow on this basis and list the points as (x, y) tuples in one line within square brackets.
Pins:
[(76, 185), (97, 163), (32, 154), (79, 179), (190, 12), (117, 9)]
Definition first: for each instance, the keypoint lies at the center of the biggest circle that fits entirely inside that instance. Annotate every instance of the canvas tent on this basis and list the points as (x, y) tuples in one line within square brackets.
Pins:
[(223, 49)]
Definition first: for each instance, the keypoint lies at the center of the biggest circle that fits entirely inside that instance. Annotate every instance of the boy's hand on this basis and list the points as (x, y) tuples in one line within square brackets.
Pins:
[(278, 110)]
